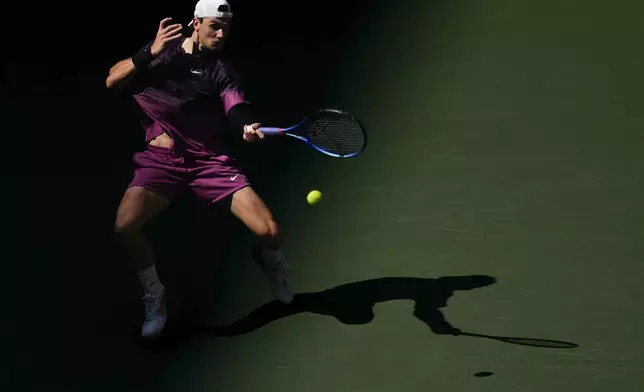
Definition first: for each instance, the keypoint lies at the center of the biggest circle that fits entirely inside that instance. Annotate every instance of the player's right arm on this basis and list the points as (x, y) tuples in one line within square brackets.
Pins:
[(122, 72)]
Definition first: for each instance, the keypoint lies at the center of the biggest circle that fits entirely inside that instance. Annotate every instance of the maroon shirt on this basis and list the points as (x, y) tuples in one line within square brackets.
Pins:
[(188, 98)]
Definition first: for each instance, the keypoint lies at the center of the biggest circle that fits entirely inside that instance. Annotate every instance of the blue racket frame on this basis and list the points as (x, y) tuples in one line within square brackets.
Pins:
[(289, 132)]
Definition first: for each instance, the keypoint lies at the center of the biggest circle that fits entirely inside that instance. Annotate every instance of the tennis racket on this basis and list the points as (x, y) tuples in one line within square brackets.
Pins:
[(330, 131)]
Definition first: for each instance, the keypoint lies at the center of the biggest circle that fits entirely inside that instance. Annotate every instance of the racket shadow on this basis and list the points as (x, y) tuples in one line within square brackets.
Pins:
[(353, 304), (532, 342)]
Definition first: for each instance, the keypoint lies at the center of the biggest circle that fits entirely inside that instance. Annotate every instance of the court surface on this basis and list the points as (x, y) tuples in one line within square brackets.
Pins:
[(501, 195)]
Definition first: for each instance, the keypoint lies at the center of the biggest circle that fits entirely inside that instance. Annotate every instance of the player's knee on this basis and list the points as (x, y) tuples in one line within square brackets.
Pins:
[(125, 225), (269, 230), (273, 230)]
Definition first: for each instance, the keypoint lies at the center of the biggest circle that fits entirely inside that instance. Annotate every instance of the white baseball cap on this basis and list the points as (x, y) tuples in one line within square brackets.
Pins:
[(212, 9)]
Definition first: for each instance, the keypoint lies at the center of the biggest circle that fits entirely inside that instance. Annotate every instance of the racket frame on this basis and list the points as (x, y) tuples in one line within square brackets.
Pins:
[(289, 132)]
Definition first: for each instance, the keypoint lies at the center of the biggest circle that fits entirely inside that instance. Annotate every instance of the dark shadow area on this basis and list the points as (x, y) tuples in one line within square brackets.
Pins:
[(69, 158), (353, 303)]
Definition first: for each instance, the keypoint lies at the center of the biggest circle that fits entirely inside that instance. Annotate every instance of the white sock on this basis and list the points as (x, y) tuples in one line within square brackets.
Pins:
[(150, 281), (273, 257)]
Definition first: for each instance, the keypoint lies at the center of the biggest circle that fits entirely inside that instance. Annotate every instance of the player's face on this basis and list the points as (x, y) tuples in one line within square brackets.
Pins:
[(212, 32)]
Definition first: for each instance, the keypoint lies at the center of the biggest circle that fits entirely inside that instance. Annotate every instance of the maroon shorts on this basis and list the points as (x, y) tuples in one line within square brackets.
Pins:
[(167, 173)]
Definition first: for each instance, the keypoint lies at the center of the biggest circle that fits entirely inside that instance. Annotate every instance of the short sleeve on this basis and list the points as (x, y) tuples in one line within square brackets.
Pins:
[(230, 87)]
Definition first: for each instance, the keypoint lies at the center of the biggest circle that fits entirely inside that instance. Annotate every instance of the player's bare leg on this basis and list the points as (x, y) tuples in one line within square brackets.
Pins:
[(252, 211), (137, 207)]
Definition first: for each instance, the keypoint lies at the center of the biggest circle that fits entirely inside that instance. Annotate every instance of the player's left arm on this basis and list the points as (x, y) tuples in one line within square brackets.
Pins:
[(242, 115)]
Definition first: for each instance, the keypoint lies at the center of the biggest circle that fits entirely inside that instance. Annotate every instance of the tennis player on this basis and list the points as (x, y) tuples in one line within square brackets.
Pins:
[(188, 98)]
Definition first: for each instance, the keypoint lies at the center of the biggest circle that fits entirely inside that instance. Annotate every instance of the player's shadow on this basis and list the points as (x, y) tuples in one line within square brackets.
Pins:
[(353, 304)]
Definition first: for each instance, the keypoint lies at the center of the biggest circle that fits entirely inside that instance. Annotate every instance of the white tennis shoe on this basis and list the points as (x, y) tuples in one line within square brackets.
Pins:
[(155, 315)]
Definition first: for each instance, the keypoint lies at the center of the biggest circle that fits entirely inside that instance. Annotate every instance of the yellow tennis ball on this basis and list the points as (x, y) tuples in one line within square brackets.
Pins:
[(314, 197)]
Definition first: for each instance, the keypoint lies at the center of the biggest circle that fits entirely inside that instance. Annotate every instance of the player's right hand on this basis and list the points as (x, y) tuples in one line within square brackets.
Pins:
[(167, 32), (252, 133)]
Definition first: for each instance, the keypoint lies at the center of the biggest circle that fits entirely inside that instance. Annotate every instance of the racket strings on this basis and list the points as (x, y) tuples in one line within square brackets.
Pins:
[(336, 133)]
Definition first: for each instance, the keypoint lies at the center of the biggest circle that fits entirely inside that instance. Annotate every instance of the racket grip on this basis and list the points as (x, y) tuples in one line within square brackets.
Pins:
[(271, 130)]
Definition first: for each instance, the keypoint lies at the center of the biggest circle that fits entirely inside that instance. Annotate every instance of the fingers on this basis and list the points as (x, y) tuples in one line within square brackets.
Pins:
[(251, 134), (166, 33), (170, 33), (172, 29), (255, 128), (163, 23), (249, 137), (172, 38), (165, 28)]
